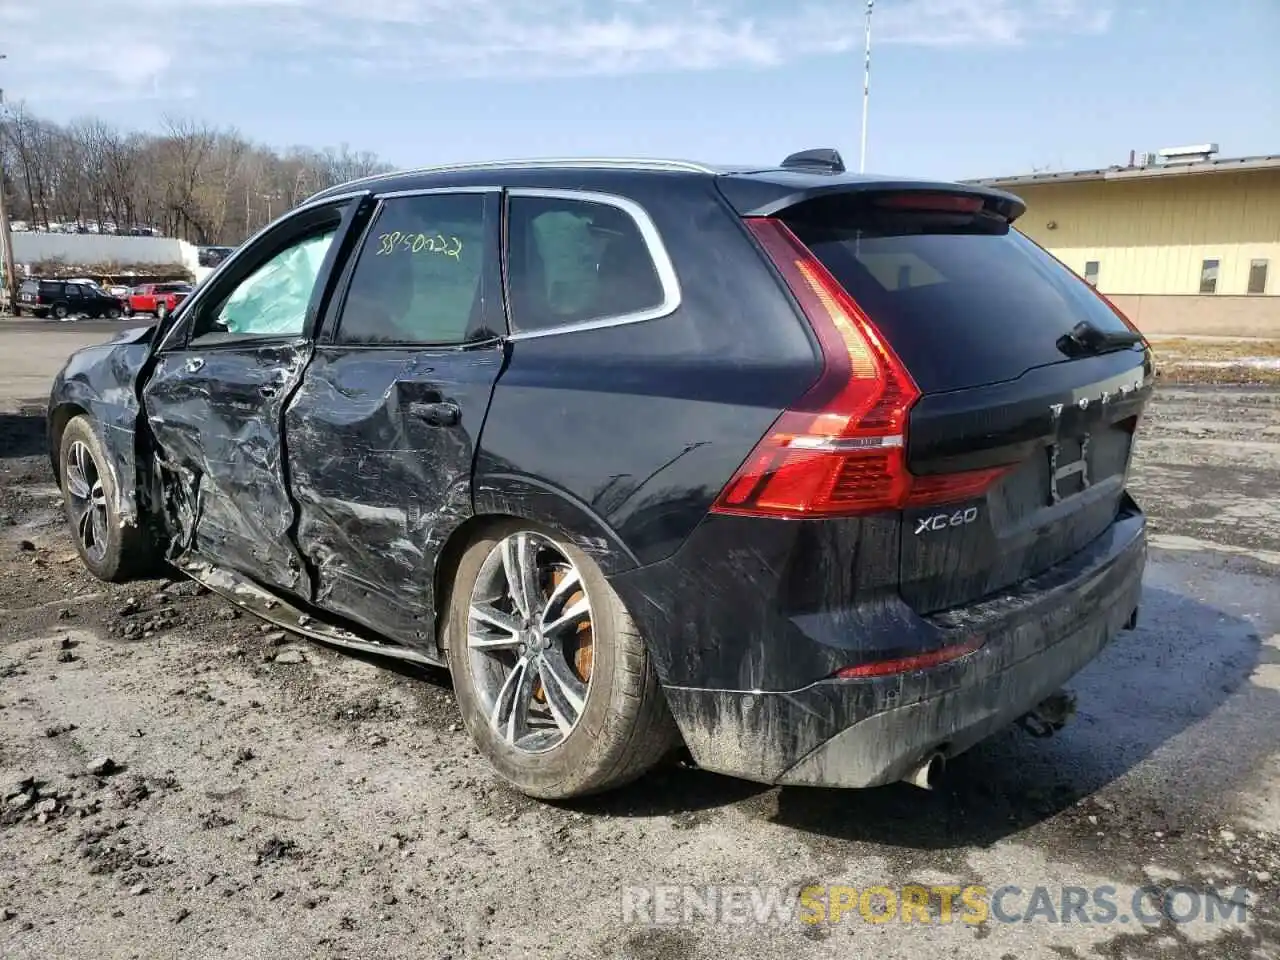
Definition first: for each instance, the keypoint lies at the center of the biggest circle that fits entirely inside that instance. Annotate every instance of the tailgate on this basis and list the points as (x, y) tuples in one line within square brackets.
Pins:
[(1067, 432), (989, 327)]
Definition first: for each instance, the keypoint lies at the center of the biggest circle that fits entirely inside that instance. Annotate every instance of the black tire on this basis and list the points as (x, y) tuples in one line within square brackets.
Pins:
[(625, 727), (126, 551), (112, 313), (60, 311)]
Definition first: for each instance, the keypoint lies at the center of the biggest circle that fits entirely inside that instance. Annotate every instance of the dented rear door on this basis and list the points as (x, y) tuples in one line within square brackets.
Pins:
[(216, 397), (382, 433)]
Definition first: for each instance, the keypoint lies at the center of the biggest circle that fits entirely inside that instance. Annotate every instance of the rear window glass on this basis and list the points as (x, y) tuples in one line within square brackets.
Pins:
[(963, 299)]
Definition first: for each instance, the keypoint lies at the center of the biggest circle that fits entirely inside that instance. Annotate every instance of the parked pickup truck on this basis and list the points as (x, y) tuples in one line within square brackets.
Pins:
[(160, 299)]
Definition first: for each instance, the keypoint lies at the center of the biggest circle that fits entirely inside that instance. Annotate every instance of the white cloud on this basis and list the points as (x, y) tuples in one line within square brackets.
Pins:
[(144, 48)]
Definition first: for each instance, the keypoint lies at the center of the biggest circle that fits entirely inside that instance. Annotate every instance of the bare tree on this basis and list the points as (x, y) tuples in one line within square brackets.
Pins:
[(190, 180)]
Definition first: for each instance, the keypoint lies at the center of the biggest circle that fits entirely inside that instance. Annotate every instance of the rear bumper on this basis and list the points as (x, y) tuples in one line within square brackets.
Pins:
[(863, 733)]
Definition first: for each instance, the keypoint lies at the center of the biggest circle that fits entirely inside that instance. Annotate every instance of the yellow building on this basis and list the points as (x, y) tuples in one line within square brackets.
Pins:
[(1183, 242)]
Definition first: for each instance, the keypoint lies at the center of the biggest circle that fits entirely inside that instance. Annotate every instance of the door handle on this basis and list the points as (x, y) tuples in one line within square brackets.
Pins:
[(194, 364), (445, 413)]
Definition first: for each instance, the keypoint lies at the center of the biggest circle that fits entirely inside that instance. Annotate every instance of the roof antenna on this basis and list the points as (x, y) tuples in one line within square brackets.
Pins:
[(823, 160)]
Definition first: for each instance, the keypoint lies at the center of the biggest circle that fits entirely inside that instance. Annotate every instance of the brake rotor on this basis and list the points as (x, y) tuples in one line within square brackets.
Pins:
[(579, 649)]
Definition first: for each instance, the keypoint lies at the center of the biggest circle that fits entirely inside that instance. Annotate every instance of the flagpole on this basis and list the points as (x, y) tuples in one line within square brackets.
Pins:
[(866, 91)]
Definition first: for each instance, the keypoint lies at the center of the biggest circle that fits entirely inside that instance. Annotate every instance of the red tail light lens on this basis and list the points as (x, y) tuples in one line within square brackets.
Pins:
[(840, 451), (939, 488)]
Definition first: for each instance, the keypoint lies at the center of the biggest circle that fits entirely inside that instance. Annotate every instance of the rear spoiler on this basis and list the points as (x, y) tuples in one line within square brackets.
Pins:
[(768, 193)]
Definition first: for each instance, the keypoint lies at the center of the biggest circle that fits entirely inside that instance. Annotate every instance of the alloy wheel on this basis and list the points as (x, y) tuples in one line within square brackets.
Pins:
[(530, 642), (88, 501)]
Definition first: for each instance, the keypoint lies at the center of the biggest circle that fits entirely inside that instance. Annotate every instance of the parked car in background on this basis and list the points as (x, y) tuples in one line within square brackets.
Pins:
[(119, 291), (212, 256), (822, 474), (160, 299), (63, 299)]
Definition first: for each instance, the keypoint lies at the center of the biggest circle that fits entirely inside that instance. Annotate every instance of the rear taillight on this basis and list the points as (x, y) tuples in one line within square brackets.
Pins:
[(841, 450)]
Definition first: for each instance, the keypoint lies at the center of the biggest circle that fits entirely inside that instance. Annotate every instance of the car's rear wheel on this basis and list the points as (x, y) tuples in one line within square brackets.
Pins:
[(60, 311), (552, 677), (110, 550)]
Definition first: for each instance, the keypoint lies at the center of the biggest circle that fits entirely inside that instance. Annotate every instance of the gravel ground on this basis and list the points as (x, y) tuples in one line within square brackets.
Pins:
[(180, 781)]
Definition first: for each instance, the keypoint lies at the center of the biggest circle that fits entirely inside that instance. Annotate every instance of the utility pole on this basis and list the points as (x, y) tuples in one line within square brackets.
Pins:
[(6, 237), (866, 91)]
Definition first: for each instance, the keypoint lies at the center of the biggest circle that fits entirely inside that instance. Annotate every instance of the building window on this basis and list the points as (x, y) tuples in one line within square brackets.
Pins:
[(1091, 273), (1209, 276), (1257, 276)]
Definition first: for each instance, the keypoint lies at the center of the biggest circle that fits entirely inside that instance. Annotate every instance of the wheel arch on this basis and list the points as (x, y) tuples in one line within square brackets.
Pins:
[(559, 515), (59, 417)]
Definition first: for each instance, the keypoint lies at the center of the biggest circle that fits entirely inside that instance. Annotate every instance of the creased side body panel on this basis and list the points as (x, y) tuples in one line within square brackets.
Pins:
[(216, 421), (380, 487)]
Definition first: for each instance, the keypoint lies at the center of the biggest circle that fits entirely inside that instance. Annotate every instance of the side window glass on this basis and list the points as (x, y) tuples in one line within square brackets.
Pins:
[(573, 261), (418, 276), (72, 291), (272, 301)]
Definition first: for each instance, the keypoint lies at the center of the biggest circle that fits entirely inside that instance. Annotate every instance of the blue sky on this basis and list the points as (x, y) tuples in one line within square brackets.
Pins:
[(960, 88)]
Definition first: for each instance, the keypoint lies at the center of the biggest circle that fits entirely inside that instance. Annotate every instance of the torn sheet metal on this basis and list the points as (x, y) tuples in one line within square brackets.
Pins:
[(216, 420)]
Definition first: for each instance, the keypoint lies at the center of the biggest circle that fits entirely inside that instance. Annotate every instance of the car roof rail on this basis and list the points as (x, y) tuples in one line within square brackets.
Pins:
[(577, 163)]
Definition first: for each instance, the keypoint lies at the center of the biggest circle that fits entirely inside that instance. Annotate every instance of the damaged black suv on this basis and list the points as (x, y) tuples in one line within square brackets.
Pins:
[(819, 475)]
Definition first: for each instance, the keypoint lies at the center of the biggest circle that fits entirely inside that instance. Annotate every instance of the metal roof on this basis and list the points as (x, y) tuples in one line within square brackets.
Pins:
[(1222, 165)]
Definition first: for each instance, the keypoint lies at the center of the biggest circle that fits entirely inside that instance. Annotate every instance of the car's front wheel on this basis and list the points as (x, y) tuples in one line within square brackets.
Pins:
[(112, 313), (552, 677), (110, 550)]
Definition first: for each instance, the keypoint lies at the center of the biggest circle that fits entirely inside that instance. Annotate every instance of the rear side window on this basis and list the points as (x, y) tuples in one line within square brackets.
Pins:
[(964, 299), (574, 261), (418, 276)]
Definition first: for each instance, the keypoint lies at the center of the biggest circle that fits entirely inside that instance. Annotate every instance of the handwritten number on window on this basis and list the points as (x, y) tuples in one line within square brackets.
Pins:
[(389, 243)]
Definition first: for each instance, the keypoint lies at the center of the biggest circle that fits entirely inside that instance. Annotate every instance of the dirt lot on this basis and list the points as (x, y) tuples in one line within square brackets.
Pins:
[(267, 797), (1225, 360)]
